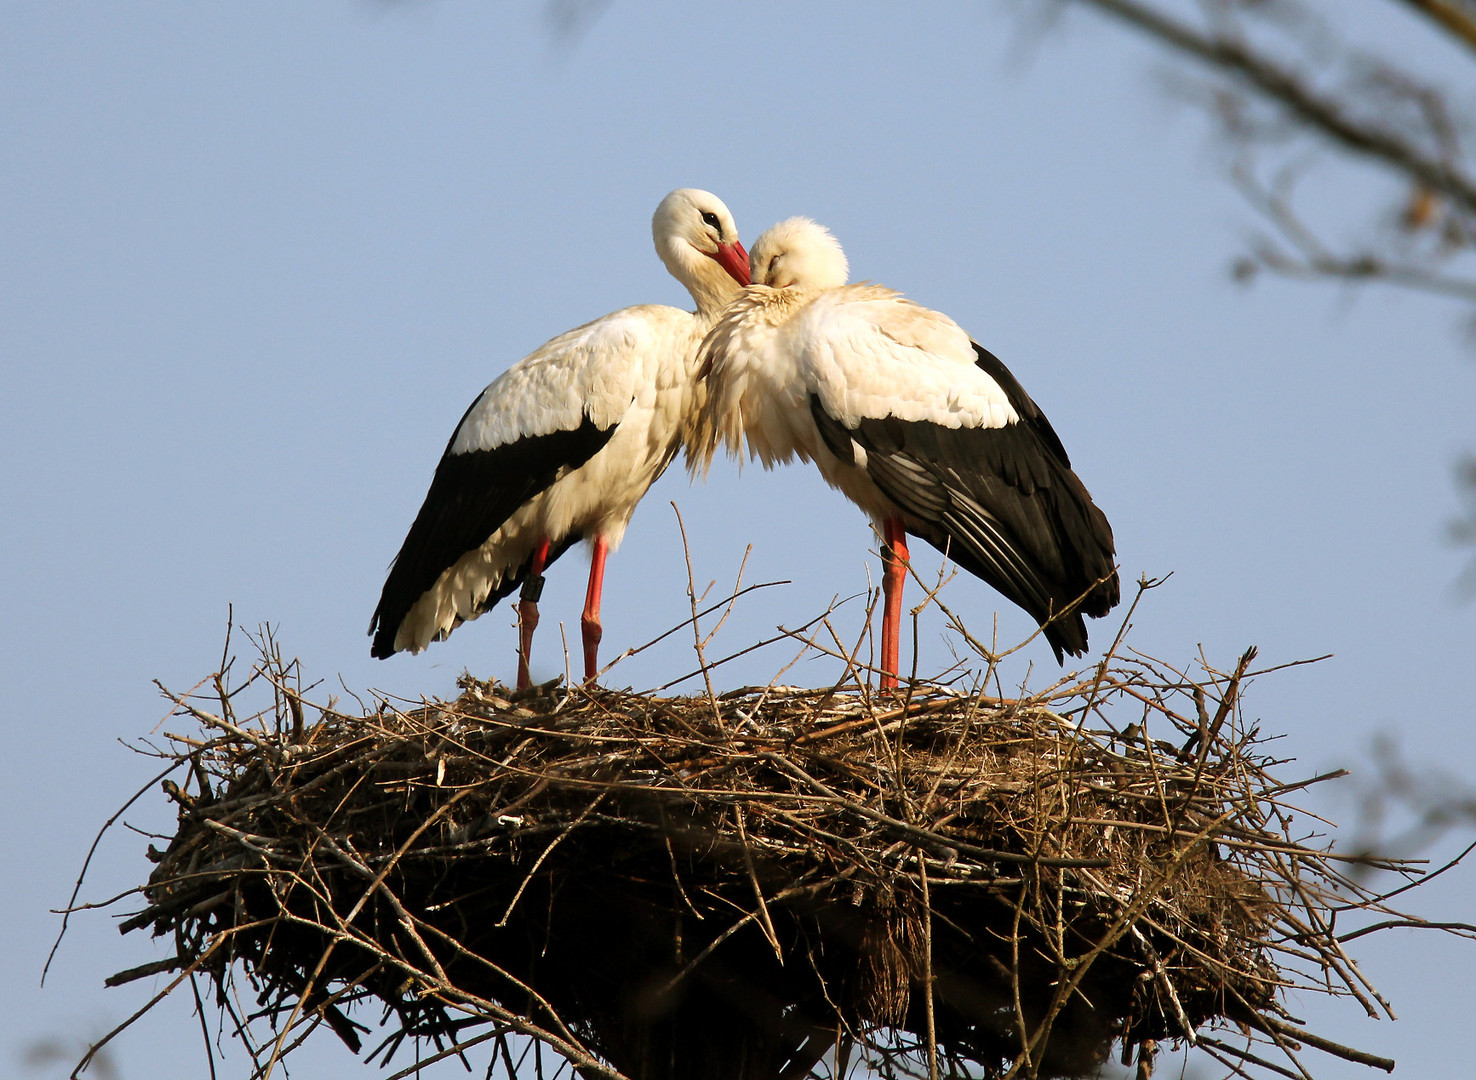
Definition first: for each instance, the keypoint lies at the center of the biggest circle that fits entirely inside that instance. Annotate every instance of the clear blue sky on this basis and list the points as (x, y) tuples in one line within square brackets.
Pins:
[(255, 260)]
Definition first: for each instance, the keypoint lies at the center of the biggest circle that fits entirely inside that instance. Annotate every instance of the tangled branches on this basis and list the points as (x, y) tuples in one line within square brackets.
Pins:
[(939, 882)]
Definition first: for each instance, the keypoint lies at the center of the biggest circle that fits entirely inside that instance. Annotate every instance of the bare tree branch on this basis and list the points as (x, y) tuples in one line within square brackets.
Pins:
[(1279, 75), (1322, 112), (1454, 17)]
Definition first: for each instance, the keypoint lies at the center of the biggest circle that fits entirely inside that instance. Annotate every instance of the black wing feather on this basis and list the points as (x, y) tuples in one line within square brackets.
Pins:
[(470, 497), (1001, 502), (1020, 401)]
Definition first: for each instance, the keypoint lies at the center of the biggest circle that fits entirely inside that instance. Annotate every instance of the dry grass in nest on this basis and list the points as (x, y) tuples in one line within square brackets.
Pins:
[(933, 882)]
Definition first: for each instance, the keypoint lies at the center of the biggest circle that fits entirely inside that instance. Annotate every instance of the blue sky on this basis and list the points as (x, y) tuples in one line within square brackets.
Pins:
[(255, 260)]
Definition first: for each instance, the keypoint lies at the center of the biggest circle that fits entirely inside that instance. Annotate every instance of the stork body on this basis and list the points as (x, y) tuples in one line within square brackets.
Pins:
[(923, 429), (560, 448)]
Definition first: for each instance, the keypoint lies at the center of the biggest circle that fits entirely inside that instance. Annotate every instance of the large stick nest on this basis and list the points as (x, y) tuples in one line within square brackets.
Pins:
[(732, 885)]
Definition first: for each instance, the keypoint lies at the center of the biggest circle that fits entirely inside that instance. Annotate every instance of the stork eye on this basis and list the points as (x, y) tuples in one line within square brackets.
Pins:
[(709, 218)]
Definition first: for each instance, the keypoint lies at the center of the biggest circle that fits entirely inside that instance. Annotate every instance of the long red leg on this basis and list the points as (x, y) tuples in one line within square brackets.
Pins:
[(528, 611), (590, 622), (894, 574)]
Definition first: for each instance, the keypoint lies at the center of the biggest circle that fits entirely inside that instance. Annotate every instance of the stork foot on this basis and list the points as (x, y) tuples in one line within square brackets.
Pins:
[(527, 623), (593, 631), (894, 574), (590, 622)]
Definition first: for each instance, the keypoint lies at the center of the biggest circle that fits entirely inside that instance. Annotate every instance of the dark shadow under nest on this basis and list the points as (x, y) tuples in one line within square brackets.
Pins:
[(741, 885)]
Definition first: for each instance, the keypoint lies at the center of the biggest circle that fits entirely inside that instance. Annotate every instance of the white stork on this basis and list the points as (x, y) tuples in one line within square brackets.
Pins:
[(918, 425), (560, 448)]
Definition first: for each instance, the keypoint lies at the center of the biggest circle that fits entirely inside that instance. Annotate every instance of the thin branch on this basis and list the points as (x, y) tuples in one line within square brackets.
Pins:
[(1460, 24), (1319, 111)]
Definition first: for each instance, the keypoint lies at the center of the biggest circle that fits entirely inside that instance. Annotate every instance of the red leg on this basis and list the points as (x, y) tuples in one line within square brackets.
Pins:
[(528, 611), (894, 574), (590, 623)]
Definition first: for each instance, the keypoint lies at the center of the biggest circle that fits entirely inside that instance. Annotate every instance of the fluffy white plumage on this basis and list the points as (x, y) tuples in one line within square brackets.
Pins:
[(563, 445), (919, 426), (864, 350)]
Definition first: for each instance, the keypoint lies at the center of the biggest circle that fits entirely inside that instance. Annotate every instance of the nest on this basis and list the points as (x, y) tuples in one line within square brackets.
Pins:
[(936, 882)]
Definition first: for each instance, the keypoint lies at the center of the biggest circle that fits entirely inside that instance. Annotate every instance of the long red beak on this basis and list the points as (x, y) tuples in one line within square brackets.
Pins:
[(733, 259)]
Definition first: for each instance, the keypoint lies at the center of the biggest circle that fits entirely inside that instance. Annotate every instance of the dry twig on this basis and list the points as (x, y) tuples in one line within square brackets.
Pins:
[(727, 885)]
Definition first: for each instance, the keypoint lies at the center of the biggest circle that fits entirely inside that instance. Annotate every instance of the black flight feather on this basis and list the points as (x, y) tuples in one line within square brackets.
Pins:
[(471, 495), (1003, 503)]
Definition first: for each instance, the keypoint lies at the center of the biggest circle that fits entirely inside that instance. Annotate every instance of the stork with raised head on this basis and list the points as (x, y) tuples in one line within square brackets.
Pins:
[(918, 425), (560, 448)]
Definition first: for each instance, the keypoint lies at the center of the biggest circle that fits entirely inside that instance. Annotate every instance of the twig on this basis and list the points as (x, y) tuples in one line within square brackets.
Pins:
[(1320, 112)]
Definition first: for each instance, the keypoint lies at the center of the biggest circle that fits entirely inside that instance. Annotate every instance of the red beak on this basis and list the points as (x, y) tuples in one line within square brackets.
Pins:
[(733, 259)]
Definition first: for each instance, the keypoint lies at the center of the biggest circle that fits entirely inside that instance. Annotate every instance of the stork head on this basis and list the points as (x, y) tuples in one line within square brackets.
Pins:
[(697, 239), (799, 252)]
